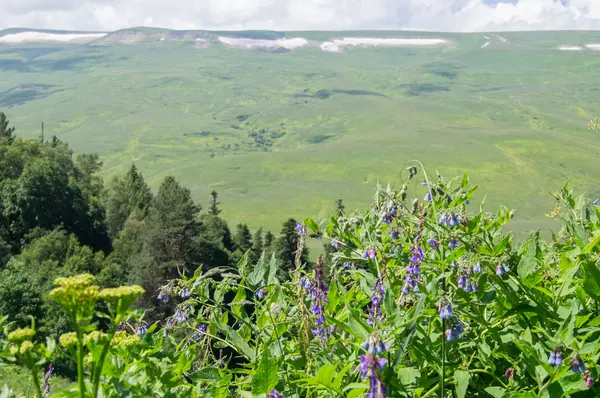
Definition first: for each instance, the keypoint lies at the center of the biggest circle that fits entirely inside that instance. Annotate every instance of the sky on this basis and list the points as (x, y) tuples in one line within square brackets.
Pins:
[(429, 15)]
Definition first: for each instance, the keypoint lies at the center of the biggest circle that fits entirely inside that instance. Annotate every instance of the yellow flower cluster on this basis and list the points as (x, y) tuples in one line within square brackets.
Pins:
[(121, 338), (114, 294), (22, 348), (20, 335), (68, 339), (95, 336), (77, 282)]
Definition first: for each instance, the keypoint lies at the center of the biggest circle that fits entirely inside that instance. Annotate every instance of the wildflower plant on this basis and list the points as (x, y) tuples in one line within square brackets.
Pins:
[(423, 295)]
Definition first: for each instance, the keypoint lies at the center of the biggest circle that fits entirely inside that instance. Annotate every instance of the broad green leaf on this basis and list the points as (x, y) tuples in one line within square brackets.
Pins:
[(526, 266), (234, 338), (311, 224), (408, 376), (501, 246), (590, 246), (210, 373), (591, 283), (496, 392), (461, 378), (265, 378)]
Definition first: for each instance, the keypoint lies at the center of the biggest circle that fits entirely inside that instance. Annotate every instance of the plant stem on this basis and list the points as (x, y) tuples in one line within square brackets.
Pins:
[(34, 376), (80, 378), (100, 365)]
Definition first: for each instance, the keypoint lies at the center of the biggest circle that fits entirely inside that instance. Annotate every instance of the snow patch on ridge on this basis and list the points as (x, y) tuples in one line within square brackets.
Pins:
[(338, 45), (570, 48), (288, 44), (41, 37)]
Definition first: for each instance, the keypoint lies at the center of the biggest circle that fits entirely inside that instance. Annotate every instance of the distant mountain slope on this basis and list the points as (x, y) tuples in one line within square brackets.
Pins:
[(281, 125)]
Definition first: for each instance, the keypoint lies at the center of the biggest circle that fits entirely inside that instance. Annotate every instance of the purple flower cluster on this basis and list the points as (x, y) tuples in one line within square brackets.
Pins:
[(164, 293), (375, 346), (261, 291), (317, 292), (337, 245), (182, 314), (450, 220), (454, 331), (141, 329), (371, 366), (555, 358), (501, 269), (466, 283), (275, 394), (388, 216), (453, 243), (577, 364), (301, 229), (47, 376), (375, 312), (445, 310), (185, 292), (200, 330), (413, 271), (510, 372), (369, 254)]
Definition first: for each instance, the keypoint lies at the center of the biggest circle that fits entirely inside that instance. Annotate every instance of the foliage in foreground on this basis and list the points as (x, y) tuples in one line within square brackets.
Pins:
[(419, 298)]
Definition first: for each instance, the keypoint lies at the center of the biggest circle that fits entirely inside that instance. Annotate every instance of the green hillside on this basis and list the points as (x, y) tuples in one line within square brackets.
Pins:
[(282, 134)]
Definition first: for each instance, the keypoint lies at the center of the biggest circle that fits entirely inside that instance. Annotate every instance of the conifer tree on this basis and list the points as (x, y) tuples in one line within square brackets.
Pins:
[(242, 239), (5, 131), (214, 209)]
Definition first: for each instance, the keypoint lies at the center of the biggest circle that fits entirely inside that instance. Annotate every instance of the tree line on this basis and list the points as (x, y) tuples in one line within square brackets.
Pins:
[(58, 218)]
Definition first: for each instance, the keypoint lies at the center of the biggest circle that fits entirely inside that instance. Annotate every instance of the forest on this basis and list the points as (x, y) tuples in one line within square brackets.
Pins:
[(118, 291)]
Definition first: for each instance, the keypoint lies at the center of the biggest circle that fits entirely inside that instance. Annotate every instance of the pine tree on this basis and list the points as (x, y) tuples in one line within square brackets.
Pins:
[(170, 238), (269, 238), (340, 206), (287, 245), (214, 210), (257, 245), (126, 195), (5, 131), (242, 239)]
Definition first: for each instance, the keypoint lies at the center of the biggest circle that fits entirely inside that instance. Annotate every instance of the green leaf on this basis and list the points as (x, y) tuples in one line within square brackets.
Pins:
[(234, 338), (357, 327), (501, 246), (588, 248), (408, 376), (465, 181), (462, 382), (265, 378), (210, 373), (591, 283), (258, 272), (526, 266), (272, 280), (496, 392), (311, 224)]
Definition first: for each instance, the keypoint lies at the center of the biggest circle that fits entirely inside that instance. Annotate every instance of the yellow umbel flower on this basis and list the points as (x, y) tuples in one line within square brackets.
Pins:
[(75, 282), (20, 335), (122, 339), (95, 336), (113, 294), (68, 339), (26, 346)]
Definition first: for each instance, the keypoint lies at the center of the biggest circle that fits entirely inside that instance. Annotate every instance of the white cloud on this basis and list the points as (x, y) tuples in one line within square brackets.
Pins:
[(434, 15)]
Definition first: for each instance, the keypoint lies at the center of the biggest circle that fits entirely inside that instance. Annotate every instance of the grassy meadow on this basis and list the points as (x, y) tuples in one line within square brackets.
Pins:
[(286, 134)]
